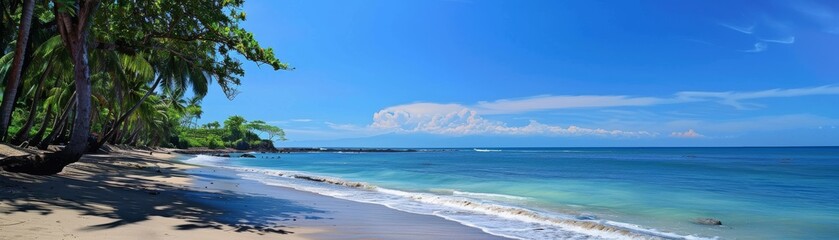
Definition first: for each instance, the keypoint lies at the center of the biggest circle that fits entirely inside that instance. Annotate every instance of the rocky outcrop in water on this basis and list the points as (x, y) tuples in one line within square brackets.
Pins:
[(708, 221), (264, 146)]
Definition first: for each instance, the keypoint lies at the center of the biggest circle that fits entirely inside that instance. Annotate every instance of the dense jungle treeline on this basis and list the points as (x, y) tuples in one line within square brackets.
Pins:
[(83, 73)]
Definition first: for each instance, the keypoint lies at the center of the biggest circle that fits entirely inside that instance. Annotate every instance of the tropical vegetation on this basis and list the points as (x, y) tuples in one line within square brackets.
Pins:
[(236, 133), (84, 73)]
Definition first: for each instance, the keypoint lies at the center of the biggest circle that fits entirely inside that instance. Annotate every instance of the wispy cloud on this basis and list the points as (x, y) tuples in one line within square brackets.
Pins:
[(756, 124), (786, 40), (759, 47), (813, 10), (735, 99), (742, 29), (454, 119), (768, 27), (296, 120), (547, 102), (822, 16), (459, 119), (690, 133)]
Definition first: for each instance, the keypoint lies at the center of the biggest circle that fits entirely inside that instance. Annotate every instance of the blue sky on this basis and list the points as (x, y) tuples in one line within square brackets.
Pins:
[(462, 73)]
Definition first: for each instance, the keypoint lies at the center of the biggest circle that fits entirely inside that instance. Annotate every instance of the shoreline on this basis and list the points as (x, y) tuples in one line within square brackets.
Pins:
[(129, 194), (340, 218), (126, 194)]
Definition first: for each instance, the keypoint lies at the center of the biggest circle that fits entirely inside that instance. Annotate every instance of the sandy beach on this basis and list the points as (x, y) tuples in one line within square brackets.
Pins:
[(134, 195)]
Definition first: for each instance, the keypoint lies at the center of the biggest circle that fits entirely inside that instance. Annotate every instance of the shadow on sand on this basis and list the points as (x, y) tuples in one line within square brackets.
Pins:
[(121, 188)]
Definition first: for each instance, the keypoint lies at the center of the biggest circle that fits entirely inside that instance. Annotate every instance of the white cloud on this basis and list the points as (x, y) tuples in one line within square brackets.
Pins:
[(734, 98), (460, 119), (770, 123), (297, 120), (759, 47), (786, 40), (454, 119), (742, 29), (767, 26), (420, 115), (546, 102), (549, 102), (687, 134)]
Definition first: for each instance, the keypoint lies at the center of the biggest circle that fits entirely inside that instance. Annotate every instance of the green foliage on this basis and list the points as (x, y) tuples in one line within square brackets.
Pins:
[(233, 128), (183, 143), (214, 142), (143, 57), (241, 145), (270, 130), (236, 133), (205, 35)]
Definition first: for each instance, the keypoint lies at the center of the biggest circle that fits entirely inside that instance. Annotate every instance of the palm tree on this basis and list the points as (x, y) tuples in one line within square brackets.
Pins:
[(118, 67), (175, 73), (13, 79), (48, 56)]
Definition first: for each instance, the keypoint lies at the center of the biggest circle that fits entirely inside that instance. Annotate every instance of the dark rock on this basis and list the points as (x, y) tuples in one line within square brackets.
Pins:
[(242, 145), (264, 146), (708, 221), (248, 155)]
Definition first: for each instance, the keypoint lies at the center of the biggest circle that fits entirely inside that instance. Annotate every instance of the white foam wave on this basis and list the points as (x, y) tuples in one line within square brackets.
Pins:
[(472, 209), (486, 150), (206, 160), (488, 195)]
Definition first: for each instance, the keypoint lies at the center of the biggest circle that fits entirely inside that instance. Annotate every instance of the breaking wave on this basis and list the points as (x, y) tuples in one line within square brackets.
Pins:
[(479, 210)]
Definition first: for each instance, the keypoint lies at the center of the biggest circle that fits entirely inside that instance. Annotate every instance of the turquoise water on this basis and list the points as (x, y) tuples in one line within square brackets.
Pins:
[(757, 193)]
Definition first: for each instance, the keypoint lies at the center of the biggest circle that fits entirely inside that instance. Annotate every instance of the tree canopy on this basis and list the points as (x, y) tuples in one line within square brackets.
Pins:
[(93, 72)]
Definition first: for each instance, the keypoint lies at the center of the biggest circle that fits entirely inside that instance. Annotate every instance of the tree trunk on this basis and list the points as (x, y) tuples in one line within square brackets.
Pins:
[(40, 134), (74, 31), (23, 133), (134, 137), (58, 126), (125, 116), (17, 66), (68, 127), (121, 137)]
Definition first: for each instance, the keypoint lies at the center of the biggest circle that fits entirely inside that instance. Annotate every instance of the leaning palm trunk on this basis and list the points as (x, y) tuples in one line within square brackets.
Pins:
[(23, 133), (58, 126), (63, 136), (10, 93), (134, 136), (113, 130), (120, 135), (74, 30), (40, 134)]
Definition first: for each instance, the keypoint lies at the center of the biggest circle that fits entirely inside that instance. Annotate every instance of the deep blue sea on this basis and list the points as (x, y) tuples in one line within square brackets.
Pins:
[(579, 193)]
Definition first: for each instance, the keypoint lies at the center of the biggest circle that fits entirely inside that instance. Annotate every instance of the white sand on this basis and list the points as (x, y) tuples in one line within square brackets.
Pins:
[(132, 195)]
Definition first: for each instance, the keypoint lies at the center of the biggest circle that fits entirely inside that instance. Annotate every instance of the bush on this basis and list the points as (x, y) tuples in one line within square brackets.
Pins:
[(214, 142), (241, 145), (183, 143), (198, 142)]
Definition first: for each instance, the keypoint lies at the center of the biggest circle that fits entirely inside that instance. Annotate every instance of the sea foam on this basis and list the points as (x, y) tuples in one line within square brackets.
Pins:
[(469, 208)]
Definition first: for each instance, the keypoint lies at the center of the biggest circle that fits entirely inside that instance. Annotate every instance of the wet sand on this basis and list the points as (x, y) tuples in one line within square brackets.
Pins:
[(134, 195)]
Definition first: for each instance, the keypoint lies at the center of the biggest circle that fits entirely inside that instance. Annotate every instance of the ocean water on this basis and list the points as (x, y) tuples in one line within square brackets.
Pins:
[(582, 193)]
